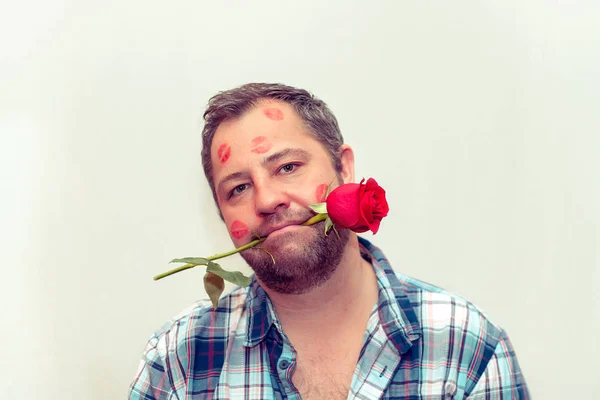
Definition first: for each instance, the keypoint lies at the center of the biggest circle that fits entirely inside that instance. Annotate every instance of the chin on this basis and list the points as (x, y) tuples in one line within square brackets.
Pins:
[(304, 259)]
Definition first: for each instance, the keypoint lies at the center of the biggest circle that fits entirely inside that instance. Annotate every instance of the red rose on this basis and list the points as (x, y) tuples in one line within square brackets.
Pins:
[(357, 206)]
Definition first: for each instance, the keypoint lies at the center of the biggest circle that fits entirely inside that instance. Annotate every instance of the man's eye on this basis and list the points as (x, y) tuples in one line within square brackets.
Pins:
[(287, 168), (238, 190)]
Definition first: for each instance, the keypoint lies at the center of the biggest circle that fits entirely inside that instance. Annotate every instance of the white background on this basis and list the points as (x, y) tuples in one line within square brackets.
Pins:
[(481, 120)]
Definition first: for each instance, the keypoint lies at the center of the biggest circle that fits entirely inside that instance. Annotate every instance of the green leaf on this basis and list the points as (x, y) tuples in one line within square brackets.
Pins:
[(336, 232), (328, 225), (320, 208), (328, 189), (214, 286), (191, 260), (235, 277)]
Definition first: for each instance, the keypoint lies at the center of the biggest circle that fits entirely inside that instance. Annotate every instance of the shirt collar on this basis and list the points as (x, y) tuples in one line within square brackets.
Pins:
[(397, 317), (261, 315)]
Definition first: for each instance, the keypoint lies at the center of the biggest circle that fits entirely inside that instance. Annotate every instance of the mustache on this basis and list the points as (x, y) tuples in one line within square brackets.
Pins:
[(277, 219)]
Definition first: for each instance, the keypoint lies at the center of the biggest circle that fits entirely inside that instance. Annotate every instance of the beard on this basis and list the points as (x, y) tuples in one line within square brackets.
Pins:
[(304, 258)]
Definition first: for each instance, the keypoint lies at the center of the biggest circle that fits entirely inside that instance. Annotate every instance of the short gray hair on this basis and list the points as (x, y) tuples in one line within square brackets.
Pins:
[(232, 104)]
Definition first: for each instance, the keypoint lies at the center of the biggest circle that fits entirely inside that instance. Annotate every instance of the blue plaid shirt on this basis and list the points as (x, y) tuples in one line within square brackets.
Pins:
[(421, 342)]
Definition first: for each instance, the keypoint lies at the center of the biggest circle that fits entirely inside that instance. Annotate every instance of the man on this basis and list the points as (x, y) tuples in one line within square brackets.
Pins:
[(330, 319)]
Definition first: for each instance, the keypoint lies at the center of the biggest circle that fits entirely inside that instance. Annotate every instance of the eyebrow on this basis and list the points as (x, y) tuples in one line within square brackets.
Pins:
[(300, 153)]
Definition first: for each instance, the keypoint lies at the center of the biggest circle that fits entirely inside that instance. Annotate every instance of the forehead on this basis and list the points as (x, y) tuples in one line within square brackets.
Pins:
[(272, 122), (269, 127), (275, 117)]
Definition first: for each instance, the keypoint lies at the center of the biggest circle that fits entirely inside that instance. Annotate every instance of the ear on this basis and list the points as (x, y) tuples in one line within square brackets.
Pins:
[(347, 159)]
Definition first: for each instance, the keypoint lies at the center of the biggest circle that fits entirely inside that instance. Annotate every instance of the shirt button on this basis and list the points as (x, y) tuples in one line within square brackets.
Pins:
[(450, 390), (283, 364)]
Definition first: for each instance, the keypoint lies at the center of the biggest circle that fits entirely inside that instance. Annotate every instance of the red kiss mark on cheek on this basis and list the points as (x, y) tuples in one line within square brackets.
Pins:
[(321, 192), (274, 113), (260, 145), (238, 229), (224, 152)]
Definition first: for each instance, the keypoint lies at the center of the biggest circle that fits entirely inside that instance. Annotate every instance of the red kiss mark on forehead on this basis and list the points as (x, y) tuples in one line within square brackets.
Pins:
[(260, 145), (224, 152), (321, 192), (238, 229), (273, 113)]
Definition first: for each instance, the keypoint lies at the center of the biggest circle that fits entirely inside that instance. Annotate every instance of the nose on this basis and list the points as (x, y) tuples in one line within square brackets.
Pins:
[(270, 198)]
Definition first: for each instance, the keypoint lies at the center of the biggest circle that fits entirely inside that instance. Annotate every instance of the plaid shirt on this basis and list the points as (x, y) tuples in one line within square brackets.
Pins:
[(421, 342)]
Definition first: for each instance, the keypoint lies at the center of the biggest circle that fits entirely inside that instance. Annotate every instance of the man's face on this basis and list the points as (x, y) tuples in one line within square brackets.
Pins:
[(267, 170)]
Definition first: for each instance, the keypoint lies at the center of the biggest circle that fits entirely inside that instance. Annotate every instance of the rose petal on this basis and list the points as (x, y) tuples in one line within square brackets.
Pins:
[(366, 208), (342, 205), (359, 207), (374, 226)]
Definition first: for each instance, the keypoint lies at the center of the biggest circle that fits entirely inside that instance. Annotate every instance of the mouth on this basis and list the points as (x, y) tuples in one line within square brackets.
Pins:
[(287, 227)]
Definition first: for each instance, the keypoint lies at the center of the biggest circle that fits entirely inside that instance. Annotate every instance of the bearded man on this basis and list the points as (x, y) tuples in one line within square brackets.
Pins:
[(330, 319)]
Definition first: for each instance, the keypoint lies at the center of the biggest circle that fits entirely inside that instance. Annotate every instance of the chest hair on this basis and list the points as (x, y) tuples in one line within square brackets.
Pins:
[(321, 377)]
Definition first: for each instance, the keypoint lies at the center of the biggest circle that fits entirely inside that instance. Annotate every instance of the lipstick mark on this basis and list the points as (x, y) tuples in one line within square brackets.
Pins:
[(238, 229), (224, 152), (273, 113), (260, 145), (321, 192)]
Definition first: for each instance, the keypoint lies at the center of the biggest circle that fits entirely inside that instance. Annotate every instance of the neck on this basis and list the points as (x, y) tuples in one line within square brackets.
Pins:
[(350, 292)]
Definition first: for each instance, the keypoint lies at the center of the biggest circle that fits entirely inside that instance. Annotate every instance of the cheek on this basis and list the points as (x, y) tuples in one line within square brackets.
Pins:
[(320, 192), (238, 229), (260, 145)]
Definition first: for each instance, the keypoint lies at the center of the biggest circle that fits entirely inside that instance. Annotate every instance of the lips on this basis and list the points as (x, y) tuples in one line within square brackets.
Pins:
[(281, 226)]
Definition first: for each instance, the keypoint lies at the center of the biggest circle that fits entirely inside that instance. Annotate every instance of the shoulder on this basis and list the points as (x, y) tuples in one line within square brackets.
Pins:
[(442, 309), (477, 353), (439, 314), (201, 322), (172, 351), (455, 332)]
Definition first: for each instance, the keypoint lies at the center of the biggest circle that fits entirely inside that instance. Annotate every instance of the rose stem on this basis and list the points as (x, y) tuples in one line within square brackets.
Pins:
[(313, 220)]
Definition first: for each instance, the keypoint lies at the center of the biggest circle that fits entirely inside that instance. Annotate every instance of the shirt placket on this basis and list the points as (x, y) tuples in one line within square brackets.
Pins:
[(376, 366), (285, 367)]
